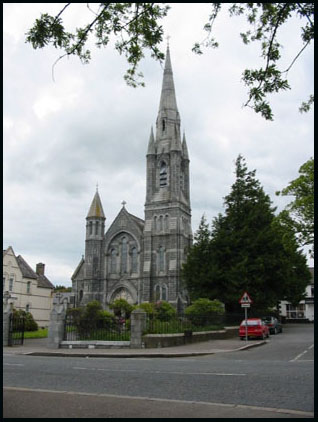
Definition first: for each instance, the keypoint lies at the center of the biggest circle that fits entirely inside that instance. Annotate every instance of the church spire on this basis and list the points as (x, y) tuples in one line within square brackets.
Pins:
[(96, 208), (168, 120), (151, 144), (168, 100)]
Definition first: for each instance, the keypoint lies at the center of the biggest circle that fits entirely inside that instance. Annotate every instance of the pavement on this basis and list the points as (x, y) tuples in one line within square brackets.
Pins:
[(38, 347)]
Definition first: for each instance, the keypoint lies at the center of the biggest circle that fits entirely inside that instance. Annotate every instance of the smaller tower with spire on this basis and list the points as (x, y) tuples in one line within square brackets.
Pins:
[(95, 229)]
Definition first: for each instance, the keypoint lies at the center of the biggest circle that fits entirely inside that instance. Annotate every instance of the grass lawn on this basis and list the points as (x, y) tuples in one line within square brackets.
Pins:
[(40, 333)]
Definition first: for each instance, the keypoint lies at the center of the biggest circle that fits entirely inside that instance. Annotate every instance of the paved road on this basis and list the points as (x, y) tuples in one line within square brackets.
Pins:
[(254, 382)]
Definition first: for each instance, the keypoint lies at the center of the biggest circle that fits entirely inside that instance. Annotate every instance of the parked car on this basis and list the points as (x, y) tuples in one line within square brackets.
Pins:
[(255, 328), (273, 324)]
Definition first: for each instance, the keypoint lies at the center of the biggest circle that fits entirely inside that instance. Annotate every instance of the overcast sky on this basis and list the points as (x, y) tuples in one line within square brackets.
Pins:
[(62, 137)]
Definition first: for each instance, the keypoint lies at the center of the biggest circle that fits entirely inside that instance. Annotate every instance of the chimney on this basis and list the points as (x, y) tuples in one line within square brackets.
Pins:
[(40, 268)]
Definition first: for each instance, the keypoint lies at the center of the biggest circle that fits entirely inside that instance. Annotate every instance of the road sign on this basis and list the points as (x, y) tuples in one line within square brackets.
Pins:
[(245, 305), (245, 299)]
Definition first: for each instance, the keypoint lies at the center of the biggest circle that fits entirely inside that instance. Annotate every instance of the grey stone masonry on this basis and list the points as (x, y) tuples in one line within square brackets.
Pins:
[(138, 325), (56, 326)]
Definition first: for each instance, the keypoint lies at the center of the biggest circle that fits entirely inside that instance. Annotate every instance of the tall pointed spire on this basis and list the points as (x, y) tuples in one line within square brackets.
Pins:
[(185, 148), (96, 208), (168, 100), (151, 144)]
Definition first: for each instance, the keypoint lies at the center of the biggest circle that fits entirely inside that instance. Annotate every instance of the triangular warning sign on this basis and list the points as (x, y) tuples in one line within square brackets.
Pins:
[(245, 298)]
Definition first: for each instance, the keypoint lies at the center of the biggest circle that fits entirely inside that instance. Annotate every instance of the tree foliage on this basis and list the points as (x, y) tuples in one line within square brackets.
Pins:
[(265, 20), (249, 250), (299, 213), (136, 27)]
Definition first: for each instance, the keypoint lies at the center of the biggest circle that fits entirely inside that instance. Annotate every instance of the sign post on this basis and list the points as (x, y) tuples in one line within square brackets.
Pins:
[(245, 302)]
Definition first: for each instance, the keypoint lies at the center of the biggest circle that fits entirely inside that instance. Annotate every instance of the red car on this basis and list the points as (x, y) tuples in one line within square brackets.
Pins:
[(255, 328)]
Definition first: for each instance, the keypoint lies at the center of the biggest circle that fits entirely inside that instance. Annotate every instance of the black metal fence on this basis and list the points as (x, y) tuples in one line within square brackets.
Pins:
[(116, 329), (16, 330)]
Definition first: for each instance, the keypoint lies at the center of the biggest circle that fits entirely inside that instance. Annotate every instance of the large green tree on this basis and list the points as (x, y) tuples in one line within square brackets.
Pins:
[(249, 250), (136, 27), (299, 213)]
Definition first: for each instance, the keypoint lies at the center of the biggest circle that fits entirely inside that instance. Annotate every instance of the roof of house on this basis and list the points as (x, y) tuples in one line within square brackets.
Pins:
[(27, 272)]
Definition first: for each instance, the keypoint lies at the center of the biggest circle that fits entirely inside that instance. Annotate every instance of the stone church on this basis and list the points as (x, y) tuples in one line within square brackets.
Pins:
[(140, 260)]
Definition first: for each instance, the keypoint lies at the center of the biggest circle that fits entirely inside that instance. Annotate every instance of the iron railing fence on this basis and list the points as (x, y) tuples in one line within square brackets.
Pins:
[(115, 329), (16, 330)]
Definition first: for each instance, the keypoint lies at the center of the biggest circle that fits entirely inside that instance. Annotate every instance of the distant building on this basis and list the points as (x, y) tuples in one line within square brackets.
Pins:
[(305, 309), (30, 291)]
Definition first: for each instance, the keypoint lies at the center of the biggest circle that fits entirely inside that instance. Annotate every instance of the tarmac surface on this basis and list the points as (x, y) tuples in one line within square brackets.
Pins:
[(38, 347)]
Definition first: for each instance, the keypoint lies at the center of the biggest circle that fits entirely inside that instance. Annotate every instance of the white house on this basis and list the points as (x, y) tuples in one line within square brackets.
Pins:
[(305, 309), (29, 290)]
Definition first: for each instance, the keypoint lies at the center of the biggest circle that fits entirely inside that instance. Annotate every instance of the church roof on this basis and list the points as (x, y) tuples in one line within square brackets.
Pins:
[(96, 208)]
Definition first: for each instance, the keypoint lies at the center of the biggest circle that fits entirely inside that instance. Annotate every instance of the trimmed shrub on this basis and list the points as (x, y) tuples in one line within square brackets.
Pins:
[(204, 311), (164, 311)]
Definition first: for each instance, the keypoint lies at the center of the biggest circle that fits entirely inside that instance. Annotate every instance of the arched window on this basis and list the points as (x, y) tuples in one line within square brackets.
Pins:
[(166, 222), (134, 260), (90, 227), (161, 259), (164, 294), (157, 293), (163, 125), (155, 223), (124, 255), (163, 174), (96, 227), (161, 223), (113, 261)]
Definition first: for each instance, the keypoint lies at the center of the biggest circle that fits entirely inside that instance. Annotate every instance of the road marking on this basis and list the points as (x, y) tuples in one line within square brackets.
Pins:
[(229, 405), (302, 354), (158, 372), (14, 364)]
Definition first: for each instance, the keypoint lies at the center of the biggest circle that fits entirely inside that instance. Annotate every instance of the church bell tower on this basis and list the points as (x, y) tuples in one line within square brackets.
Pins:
[(167, 232)]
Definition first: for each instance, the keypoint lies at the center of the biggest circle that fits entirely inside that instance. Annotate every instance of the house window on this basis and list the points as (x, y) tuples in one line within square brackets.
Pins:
[(113, 263), (295, 312), (28, 287), (80, 295), (27, 308), (11, 279), (155, 223), (163, 174), (163, 125), (161, 259), (134, 260), (124, 255)]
